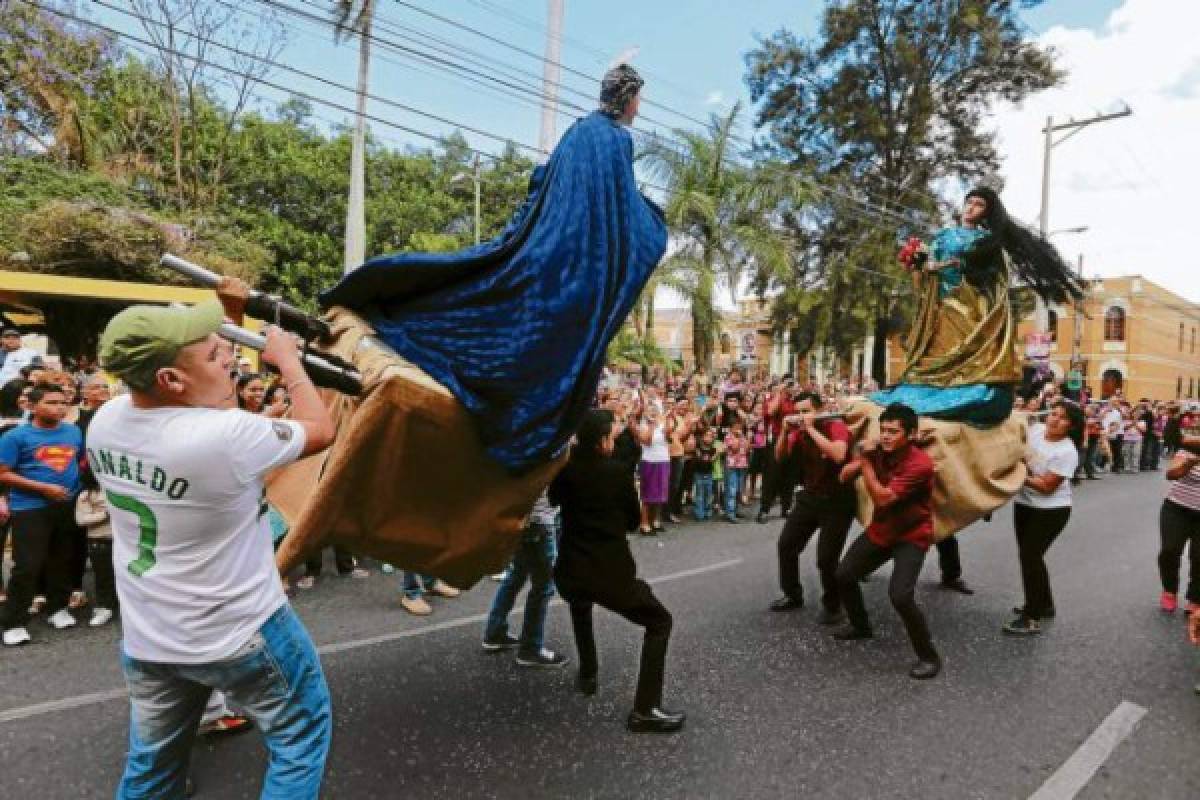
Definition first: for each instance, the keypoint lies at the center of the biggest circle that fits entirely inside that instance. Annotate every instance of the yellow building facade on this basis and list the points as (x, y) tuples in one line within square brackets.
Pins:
[(1128, 334)]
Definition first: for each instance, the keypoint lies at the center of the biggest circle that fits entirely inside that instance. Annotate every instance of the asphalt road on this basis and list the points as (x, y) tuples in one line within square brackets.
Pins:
[(776, 708)]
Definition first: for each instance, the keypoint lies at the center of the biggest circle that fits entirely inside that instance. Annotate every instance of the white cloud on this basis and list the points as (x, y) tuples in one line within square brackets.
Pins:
[(1130, 180), (715, 98)]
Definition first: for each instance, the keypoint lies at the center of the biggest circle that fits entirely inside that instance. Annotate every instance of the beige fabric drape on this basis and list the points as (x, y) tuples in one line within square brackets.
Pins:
[(978, 470), (407, 480)]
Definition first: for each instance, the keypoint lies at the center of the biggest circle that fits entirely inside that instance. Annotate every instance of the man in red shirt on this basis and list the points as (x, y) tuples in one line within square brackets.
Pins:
[(899, 478), (816, 451), (777, 480)]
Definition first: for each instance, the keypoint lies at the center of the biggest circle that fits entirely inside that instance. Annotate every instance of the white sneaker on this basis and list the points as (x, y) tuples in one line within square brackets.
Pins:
[(100, 616), (16, 636), (61, 619)]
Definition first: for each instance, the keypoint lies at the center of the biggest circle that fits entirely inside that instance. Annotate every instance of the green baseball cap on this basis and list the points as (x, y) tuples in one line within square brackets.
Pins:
[(141, 340)]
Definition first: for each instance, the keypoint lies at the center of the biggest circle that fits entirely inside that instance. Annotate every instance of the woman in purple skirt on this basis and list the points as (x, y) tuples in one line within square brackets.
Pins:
[(655, 469)]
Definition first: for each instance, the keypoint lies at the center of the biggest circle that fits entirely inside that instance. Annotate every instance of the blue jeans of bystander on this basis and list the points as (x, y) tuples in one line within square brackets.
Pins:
[(702, 495), (534, 560)]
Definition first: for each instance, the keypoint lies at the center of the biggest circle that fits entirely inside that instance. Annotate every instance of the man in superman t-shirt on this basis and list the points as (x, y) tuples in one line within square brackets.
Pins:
[(39, 463)]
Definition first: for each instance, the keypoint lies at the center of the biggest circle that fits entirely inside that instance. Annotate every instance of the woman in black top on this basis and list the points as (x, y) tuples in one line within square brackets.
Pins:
[(595, 566)]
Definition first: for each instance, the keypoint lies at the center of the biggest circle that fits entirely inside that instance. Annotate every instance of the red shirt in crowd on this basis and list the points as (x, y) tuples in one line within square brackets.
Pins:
[(818, 472), (775, 421), (908, 473)]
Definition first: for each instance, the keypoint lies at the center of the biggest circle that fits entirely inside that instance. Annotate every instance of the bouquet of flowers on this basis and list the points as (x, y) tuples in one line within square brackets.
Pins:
[(914, 254)]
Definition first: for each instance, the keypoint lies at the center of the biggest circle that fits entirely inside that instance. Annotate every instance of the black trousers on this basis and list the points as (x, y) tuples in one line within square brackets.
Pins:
[(636, 603), (810, 512), (1118, 456), (863, 558), (1150, 452), (949, 560), (777, 483), (1037, 528), (1179, 527), (675, 493), (342, 559), (43, 540), (79, 557), (1089, 458), (100, 551)]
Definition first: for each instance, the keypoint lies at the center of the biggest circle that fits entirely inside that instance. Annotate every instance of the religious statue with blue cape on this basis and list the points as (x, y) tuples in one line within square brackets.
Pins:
[(479, 365)]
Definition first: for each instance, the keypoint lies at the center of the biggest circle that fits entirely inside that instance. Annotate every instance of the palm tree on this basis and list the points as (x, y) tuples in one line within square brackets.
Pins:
[(353, 18), (724, 217)]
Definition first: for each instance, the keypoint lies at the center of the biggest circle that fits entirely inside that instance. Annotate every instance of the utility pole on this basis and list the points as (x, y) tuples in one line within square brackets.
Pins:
[(356, 215), (551, 73), (478, 180), (1076, 344), (1071, 127)]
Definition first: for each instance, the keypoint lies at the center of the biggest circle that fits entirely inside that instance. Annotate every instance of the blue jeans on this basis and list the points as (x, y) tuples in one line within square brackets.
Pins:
[(414, 584), (534, 560), (275, 678), (733, 488), (702, 495)]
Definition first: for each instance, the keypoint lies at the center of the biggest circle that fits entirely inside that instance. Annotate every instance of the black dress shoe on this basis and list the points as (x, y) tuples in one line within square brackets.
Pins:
[(587, 684), (656, 720), (827, 617), (957, 585), (850, 633), (787, 603), (924, 670)]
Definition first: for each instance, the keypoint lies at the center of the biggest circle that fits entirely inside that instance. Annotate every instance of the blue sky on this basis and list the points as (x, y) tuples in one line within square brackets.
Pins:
[(691, 53)]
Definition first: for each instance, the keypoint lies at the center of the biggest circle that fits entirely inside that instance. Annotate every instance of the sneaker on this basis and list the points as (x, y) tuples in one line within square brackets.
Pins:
[(100, 616), (416, 606), (732, 520), (38, 604), (78, 599), (359, 573), (16, 636), (544, 658), (443, 589), (499, 577), (1023, 626), (61, 619), (388, 569), (230, 723), (498, 643), (306, 583), (1020, 611), (1168, 602)]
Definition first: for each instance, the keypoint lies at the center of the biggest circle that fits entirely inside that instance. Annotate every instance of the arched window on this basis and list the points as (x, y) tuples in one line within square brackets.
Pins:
[(1052, 324), (1114, 324), (726, 344)]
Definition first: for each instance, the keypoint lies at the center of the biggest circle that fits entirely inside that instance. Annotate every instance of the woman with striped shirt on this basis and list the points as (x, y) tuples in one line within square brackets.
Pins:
[(1179, 525)]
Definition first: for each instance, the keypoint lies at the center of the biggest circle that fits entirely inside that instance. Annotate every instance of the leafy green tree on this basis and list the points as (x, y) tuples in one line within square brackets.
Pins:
[(885, 102), (724, 219)]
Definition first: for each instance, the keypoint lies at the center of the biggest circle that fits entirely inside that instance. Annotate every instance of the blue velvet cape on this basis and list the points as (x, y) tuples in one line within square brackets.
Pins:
[(517, 328)]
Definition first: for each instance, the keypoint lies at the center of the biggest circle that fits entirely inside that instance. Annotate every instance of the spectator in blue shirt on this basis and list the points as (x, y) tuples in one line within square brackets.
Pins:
[(40, 464)]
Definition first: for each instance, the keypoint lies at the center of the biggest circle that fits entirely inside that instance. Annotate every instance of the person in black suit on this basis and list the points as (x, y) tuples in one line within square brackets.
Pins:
[(595, 566)]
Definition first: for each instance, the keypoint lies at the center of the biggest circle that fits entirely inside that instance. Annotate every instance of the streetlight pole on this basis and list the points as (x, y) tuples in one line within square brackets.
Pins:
[(1071, 127)]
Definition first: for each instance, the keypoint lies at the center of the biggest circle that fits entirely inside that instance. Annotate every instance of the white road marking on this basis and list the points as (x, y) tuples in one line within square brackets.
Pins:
[(94, 698), (1077, 770)]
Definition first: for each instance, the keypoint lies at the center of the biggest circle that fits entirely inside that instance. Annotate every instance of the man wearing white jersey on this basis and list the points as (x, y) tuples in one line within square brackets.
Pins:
[(202, 606)]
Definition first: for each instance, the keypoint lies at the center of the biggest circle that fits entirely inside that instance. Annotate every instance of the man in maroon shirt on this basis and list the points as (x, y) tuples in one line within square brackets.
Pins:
[(777, 480), (816, 450), (899, 478)]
